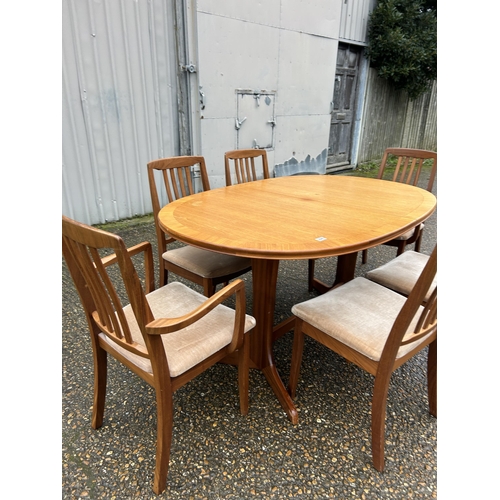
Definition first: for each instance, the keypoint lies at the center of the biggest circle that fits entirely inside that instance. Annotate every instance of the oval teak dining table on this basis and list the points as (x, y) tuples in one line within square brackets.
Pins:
[(296, 217)]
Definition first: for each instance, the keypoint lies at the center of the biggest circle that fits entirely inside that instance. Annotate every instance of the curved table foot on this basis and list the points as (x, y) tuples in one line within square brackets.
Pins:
[(279, 389)]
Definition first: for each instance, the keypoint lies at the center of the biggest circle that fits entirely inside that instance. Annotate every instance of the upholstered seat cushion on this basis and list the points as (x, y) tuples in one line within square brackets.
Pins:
[(401, 274), (360, 314), (204, 262), (189, 346)]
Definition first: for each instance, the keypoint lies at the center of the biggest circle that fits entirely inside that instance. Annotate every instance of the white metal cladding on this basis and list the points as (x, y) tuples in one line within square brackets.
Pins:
[(283, 48), (119, 104), (354, 20)]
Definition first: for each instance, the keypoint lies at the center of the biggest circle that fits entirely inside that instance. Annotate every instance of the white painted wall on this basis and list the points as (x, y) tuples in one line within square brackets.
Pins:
[(286, 46)]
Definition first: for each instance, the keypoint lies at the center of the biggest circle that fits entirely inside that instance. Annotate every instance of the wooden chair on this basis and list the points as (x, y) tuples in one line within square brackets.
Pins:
[(401, 274), (378, 330), (240, 165), (200, 266), (407, 170), (166, 336)]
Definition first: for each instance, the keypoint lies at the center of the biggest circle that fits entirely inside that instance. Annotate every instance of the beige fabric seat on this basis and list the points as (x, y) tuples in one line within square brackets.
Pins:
[(401, 274), (189, 346), (377, 329), (360, 314), (209, 265)]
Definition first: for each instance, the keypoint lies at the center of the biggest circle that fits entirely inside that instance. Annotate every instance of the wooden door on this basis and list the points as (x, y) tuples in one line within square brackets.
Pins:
[(343, 104)]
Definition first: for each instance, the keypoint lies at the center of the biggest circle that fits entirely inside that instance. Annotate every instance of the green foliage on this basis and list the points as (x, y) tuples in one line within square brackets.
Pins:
[(403, 43)]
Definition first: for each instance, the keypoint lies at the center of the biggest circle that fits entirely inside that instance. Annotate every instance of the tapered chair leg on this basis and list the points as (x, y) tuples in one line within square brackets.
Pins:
[(298, 349), (165, 409), (310, 266), (379, 403), (432, 378), (364, 257), (243, 371), (163, 273), (418, 242), (208, 287), (100, 379)]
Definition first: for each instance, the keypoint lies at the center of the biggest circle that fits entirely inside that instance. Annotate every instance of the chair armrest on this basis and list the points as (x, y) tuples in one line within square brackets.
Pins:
[(145, 247), (162, 326)]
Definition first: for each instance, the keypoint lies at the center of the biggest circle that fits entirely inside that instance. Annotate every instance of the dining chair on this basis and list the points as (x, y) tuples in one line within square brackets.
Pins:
[(378, 330), (401, 273), (166, 336), (241, 165), (204, 267), (408, 168)]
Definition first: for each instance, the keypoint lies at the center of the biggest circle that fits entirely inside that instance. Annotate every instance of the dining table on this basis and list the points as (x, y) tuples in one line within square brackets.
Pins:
[(294, 217)]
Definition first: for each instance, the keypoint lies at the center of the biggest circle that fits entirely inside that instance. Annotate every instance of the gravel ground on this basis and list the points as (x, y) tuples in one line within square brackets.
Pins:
[(217, 453)]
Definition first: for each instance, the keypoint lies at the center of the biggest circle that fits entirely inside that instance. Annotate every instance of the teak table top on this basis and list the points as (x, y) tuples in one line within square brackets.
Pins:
[(296, 217)]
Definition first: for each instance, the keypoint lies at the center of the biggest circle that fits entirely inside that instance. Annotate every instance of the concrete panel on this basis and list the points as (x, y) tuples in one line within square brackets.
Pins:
[(300, 136), (265, 12), (306, 74), (318, 17), (219, 136), (234, 55)]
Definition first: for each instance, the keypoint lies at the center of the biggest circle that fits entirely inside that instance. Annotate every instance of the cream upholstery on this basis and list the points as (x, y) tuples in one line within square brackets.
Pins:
[(189, 346), (204, 262), (401, 274), (360, 314)]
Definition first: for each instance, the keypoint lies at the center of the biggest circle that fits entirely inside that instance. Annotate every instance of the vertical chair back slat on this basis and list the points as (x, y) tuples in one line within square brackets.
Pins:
[(242, 163)]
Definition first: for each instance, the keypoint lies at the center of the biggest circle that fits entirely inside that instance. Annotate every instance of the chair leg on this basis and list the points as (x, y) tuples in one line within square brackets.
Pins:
[(164, 408), (310, 265), (401, 247), (243, 370), (379, 403), (163, 273), (298, 349), (208, 287), (418, 242), (432, 378), (364, 257), (100, 379)]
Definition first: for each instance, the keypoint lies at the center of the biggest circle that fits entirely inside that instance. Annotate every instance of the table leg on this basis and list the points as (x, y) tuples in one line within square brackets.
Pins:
[(264, 278), (346, 266)]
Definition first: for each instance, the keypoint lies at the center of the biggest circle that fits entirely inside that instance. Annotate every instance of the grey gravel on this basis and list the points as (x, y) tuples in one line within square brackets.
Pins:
[(217, 453)]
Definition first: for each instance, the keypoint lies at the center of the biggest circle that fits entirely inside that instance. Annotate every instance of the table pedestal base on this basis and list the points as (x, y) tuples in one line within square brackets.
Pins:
[(264, 279), (346, 266)]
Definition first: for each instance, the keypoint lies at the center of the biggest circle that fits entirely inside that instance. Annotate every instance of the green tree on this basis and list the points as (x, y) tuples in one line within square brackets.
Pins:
[(402, 43)]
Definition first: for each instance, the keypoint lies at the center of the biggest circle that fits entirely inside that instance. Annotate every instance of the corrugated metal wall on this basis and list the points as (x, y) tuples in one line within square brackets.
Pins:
[(354, 20), (119, 104), (392, 120)]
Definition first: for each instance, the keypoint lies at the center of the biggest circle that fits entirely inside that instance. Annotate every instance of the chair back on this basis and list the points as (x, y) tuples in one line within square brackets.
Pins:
[(83, 247), (240, 166), (177, 181), (409, 165), (426, 325)]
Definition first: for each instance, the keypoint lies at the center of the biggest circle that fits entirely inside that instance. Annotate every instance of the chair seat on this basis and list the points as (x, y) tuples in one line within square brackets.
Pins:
[(360, 314), (206, 263), (191, 345), (410, 233), (401, 274)]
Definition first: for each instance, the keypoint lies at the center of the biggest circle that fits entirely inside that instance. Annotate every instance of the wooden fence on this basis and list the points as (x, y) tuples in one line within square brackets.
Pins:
[(391, 119)]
